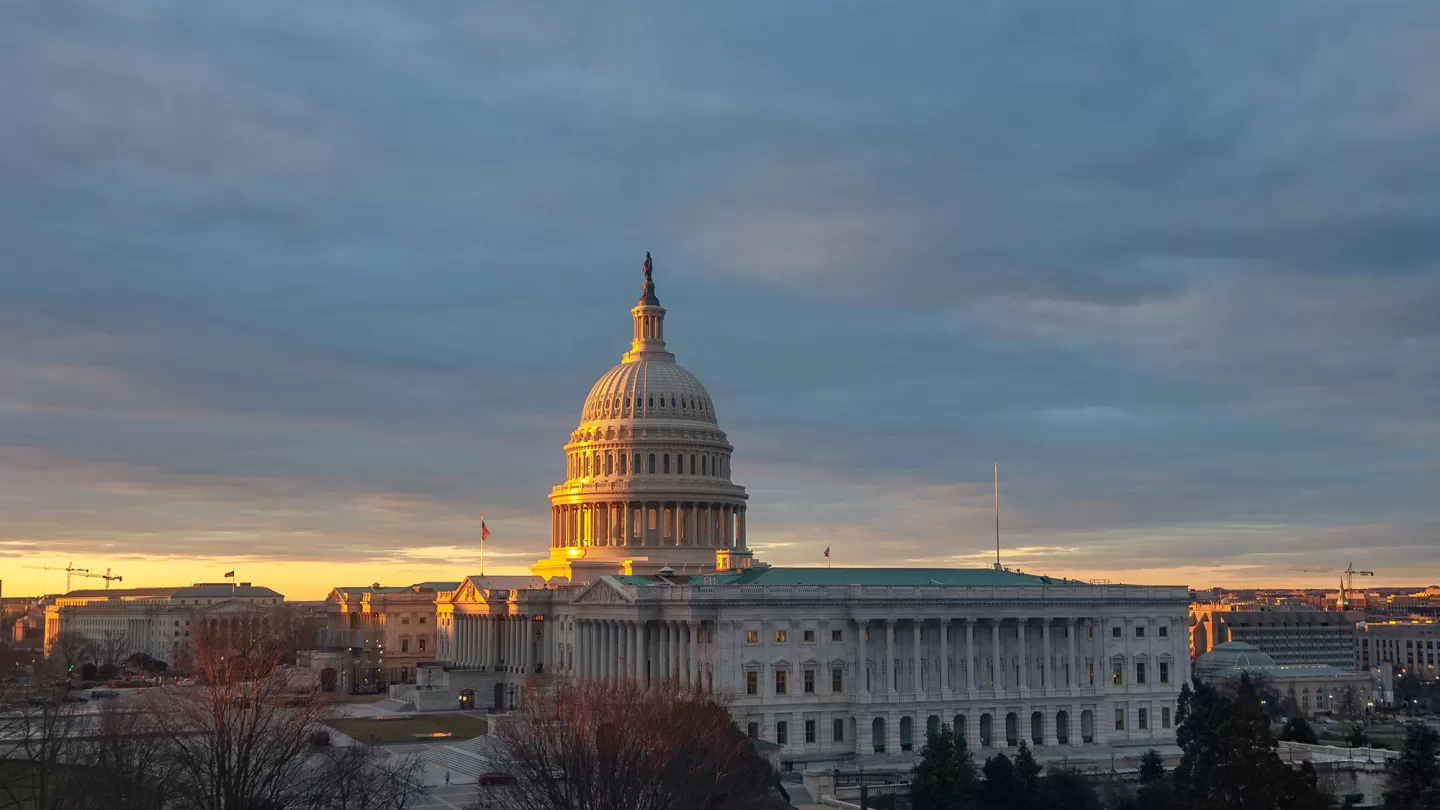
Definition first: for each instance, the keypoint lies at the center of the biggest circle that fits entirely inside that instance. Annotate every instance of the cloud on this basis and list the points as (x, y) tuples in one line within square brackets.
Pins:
[(327, 281)]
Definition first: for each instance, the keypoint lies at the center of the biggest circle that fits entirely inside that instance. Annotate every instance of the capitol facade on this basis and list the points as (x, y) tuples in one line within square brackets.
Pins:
[(650, 577)]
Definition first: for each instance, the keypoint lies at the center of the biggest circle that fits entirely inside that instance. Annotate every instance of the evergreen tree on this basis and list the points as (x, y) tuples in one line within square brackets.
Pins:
[(1413, 779), (1067, 789), (1152, 767), (1001, 789), (1229, 760), (945, 777), (1298, 729), (1027, 774)]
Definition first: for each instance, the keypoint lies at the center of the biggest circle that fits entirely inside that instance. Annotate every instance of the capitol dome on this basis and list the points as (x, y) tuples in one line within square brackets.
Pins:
[(649, 389), (647, 472)]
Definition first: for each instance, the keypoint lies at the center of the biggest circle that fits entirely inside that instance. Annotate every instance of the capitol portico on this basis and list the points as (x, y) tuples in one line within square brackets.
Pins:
[(650, 577)]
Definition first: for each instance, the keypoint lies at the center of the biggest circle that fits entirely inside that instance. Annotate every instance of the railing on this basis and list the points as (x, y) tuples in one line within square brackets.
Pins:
[(1297, 751)]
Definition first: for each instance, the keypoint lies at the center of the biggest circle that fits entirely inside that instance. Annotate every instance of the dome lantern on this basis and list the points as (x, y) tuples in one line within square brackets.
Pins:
[(649, 338)]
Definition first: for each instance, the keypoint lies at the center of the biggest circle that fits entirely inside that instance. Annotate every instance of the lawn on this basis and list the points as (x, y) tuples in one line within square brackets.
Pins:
[(366, 730)]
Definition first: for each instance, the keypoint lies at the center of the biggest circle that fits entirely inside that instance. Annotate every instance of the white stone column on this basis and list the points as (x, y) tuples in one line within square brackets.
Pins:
[(945, 660), (1074, 663), (890, 675), (970, 683), (665, 651), (863, 670), (997, 674), (1047, 678), (741, 541), (917, 628), (692, 630), (1022, 636)]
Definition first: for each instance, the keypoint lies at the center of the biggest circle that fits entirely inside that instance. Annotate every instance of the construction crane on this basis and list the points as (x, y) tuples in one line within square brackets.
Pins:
[(68, 569), (1347, 581), (107, 576)]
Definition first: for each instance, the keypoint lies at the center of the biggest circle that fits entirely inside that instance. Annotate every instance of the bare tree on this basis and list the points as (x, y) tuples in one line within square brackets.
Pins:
[(113, 647), (70, 649), (361, 777), (597, 745), (38, 740)]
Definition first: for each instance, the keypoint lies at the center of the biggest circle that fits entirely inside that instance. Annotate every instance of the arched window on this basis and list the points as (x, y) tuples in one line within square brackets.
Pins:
[(587, 466), (609, 463), (652, 463), (680, 464), (622, 463), (636, 469), (703, 466), (666, 459), (693, 468), (650, 402), (672, 402)]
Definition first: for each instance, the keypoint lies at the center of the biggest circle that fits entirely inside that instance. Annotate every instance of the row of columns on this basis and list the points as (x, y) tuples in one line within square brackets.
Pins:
[(496, 642), (646, 651), (996, 676), (700, 524)]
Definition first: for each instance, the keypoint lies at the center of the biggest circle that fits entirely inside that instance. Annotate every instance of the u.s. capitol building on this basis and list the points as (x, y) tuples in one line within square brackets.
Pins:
[(650, 577)]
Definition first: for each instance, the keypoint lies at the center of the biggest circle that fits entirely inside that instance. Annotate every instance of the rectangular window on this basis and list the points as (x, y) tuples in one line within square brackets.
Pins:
[(1164, 672), (867, 634), (782, 733), (1164, 716), (1140, 632), (1164, 631), (809, 681), (1118, 677), (1139, 672), (837, 635), (1142, 720), (752, 683), (1115, 632), (422, 645), (781, 680), (1119, 719), (809, 637), (837, 680), (752, 637), (779, 636), (753, 731), (810, 731), (837, 731)]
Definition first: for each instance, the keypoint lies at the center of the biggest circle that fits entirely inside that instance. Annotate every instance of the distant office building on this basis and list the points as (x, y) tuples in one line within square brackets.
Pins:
[(1409, 644), (156, 621), (1311, 688), (1289, 636)]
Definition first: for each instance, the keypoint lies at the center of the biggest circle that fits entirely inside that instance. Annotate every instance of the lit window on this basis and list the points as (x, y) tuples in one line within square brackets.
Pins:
[(779, 636), (752, 637), (1118, 677)]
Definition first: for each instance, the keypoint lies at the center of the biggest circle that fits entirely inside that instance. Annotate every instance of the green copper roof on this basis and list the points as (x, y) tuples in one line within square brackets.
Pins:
[(853, 576)]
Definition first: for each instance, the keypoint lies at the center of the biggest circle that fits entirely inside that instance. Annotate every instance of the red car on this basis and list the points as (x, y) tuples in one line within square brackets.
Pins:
[(486, 779)]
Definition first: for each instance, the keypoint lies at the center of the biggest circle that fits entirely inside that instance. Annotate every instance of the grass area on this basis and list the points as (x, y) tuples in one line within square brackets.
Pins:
[(462, 726)]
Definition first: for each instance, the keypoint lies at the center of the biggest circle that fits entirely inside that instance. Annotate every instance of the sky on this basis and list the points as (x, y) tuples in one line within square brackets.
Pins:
[(300, 290)]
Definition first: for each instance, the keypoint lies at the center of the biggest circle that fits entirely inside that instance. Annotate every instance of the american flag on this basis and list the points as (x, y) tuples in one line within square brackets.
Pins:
[(827, 552), (484, 532)]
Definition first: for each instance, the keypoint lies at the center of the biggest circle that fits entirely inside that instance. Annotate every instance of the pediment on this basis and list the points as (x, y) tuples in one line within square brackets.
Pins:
[(603, 592)]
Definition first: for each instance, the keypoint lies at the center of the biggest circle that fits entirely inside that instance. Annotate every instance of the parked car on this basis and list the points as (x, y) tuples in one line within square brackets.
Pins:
[(104, 693), (487, 779), (74, 699)]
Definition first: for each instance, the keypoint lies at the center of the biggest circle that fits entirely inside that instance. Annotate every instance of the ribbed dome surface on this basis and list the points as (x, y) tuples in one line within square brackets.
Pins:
[(649, 388), (1232, 655)]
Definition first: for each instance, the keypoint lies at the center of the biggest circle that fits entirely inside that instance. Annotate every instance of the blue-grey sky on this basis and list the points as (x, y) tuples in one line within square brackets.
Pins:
[(302, 288)]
